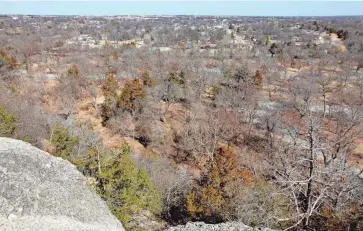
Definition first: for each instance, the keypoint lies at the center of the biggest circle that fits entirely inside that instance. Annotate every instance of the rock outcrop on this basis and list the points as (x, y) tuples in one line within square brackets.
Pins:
[(228, 226), (39, 192)]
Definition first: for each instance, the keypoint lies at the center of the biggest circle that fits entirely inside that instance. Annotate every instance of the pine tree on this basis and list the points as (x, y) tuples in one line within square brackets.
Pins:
[(208, 201), (126, 188), (110, 86), (106, 111), (73, 72), (63, 142), (268, 40), (7, 122), (148, 81), (182, 77), (131, 95), (177, 78), (109, 91)]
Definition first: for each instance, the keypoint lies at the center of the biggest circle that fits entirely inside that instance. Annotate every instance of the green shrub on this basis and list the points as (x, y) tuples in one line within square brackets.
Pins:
[(148, 80), (7, 122), (106, 111), (73, 71), (13, 89), (63, 142), (110, 86), (127, 189), (177, 78), (268, 40)]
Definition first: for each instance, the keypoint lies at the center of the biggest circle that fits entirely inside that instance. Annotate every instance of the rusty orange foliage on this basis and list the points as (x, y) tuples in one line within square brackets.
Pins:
[(11, 60), (131, 94), (342, 220), (73, 71), (258, 77), (110, 86), (247, 177), (211, 197)]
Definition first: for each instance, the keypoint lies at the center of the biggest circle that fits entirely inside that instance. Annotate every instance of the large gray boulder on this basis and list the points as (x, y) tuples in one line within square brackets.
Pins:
[(39, 192)]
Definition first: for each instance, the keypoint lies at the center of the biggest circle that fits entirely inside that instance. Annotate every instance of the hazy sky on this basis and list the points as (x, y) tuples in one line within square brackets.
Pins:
[(259, 8)]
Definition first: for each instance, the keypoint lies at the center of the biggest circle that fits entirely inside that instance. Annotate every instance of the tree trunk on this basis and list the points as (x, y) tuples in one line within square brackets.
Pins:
[(324, 102), (307, 198)]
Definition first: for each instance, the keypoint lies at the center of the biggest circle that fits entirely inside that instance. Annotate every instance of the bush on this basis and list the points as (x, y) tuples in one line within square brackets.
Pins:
[(63, 142), (73, 72), (9, 61), (258, 80), (243, 75), (106, 111), (148, 80), (210, 201), (172, 182), (260, 204), (127, 189), (131, 95), (7, 122), (177, 78), (110, 86)]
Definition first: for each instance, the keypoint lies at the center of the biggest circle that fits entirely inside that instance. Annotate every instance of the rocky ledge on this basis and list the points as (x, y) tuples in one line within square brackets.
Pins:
[(228, 226), (44, 193)]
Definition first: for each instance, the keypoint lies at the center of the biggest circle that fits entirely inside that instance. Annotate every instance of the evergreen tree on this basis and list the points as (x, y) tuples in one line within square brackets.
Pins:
[(148, 81), (7, 122), (268, 40), (106, 111), (110, 86), (209, 200), (126, 188), (177, 78), (131, 95), (63, 142), (73, 72), (109, 91)]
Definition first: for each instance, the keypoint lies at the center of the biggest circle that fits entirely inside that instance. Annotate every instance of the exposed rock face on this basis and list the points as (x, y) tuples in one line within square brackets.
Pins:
[(228, 226), (39, 192)]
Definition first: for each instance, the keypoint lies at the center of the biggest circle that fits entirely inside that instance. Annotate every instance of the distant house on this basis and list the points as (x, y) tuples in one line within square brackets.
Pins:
[(297, 41), (219, 27), (161, 49), (50, 76), (86, 39)]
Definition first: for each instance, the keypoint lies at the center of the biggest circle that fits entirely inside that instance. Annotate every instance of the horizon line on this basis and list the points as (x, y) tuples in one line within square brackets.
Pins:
[(175, 15)]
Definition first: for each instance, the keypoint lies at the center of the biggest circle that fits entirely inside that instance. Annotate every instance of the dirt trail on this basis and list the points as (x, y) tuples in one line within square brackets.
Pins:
[(335, 40), (88, 114), (357, 157)]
